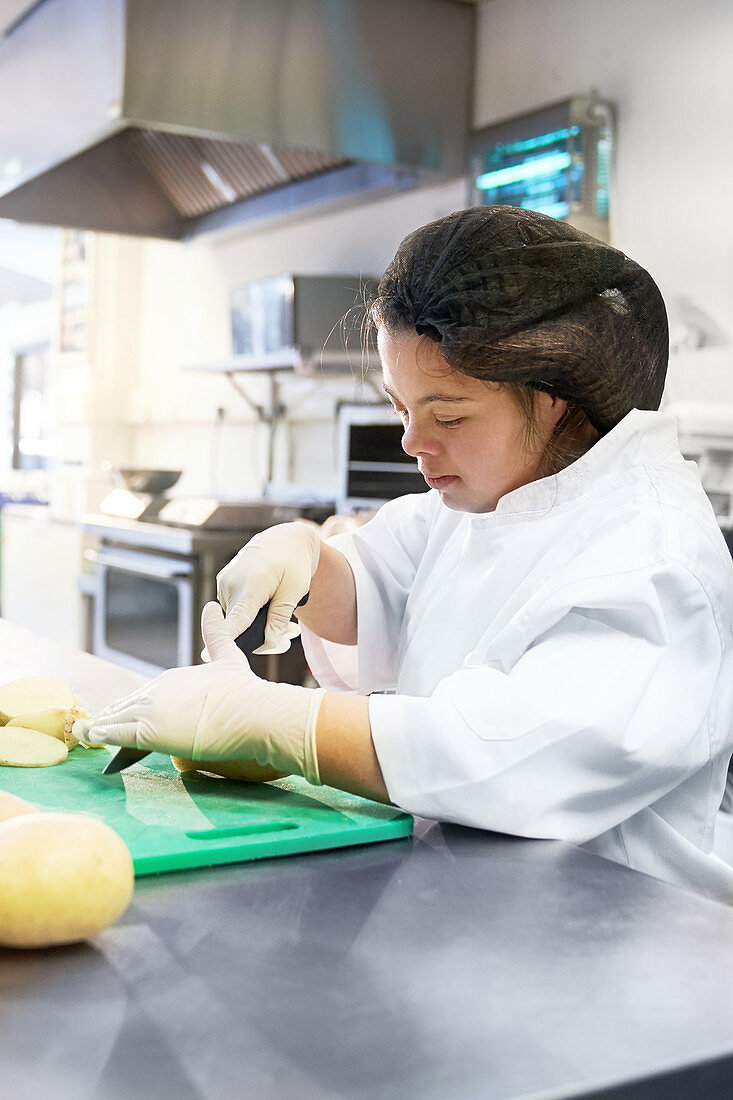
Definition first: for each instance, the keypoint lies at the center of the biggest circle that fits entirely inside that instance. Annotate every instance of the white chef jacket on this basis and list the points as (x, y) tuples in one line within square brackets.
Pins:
[(562, 667)]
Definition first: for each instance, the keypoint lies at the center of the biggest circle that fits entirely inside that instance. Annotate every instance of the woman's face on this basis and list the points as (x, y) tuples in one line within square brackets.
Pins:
[(468, 436)]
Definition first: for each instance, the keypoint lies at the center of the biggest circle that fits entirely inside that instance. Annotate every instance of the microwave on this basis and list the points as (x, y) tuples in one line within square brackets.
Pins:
[(372, 467), (303, 322)]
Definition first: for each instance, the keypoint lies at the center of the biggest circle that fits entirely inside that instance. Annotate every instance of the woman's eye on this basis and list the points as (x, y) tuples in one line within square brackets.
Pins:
[(450, 423)]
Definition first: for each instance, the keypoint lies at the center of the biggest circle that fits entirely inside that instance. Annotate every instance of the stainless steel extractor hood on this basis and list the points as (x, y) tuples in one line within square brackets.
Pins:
[(170, 118)]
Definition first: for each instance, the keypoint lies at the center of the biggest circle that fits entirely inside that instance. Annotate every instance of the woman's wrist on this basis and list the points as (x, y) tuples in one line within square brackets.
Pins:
[(346, 755), (331, 608)]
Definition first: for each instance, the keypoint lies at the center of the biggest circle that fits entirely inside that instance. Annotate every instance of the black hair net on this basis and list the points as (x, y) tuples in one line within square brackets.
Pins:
[(477, 278)]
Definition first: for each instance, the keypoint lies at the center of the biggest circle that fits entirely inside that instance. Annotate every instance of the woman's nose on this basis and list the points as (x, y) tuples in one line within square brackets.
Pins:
[(416, 441)]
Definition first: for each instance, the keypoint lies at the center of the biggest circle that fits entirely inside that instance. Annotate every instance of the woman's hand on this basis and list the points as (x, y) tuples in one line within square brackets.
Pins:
[(218, 711), (276, 565)]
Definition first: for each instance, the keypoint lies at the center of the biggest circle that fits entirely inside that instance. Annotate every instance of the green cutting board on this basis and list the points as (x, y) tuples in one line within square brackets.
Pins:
[(171, 821)]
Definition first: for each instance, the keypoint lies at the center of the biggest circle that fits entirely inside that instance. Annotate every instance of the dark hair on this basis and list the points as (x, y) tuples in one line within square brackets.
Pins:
[(573, 435), (517, 297)]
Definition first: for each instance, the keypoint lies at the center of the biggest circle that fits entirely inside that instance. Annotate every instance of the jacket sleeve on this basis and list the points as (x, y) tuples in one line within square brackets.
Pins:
[(606, 709), (384, 555)]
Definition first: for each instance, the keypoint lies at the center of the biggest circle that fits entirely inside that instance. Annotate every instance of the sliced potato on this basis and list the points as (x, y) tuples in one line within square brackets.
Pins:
[(56, 723), (245, 771), (63, 878), (32, 694), (12, 806), (51, 722), (69, 736), (23, 748), (41, 703)]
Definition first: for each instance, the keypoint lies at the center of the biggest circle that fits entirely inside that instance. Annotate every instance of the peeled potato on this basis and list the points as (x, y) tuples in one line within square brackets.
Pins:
[(41, 703), (51, 722), (12, 806), (32, 694), (63, 878), (55, 723), (23, 748), (246, 771)]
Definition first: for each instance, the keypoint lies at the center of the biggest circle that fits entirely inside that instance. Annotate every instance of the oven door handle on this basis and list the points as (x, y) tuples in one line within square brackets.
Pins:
[(146, 565)]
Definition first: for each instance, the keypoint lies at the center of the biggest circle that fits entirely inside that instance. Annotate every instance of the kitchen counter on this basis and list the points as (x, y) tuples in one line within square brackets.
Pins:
[(161, 536), (458, 964)]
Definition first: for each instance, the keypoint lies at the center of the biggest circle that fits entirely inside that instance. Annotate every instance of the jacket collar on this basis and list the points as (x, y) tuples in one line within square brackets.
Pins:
[(640, 438)]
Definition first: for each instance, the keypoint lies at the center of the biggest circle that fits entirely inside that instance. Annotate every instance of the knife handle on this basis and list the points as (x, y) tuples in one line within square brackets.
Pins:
[(248, 641), (254, 636)]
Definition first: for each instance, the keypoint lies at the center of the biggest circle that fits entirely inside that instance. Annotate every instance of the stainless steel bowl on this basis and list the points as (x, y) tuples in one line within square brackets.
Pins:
[(145, 481)]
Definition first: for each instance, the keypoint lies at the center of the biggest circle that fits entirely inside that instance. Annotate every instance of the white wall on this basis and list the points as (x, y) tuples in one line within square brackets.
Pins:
[(185, 321), (666, 65)]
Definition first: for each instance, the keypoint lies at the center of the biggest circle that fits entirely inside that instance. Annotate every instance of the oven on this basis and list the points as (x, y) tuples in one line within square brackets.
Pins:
[(145, 609), (147, 583)]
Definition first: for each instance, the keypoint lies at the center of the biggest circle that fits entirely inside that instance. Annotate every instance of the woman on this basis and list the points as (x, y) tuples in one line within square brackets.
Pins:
[(540, 644)]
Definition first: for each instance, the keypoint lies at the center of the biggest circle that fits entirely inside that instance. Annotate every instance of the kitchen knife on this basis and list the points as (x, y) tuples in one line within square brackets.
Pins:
[(248, 641)]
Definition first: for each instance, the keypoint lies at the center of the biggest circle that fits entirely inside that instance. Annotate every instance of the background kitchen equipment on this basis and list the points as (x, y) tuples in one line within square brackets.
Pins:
[(306, 323), (151, 580), (556, 160), (372, 467), (139, 492), (143, 480), (144, 608), (261, 111)]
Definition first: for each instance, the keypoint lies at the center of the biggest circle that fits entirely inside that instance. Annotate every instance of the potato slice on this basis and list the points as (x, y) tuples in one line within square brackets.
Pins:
[(245, 771), (63, 878), (56, 723), (23, 748), (12, 806), (51, 722), (32, 694), (41, 703)]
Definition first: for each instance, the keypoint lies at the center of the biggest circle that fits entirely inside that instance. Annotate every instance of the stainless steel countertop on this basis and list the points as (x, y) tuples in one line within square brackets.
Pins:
[(458, 964), (160, 536)]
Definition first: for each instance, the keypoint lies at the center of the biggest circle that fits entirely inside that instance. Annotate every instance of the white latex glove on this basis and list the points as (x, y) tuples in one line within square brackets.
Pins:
[(277, 565), (218, 711)]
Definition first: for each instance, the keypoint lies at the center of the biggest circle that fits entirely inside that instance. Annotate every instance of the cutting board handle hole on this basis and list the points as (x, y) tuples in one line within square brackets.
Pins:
[(242, 830)]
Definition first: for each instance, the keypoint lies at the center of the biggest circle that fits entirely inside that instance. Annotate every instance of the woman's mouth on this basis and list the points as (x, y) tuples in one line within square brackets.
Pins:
[(440, 482)]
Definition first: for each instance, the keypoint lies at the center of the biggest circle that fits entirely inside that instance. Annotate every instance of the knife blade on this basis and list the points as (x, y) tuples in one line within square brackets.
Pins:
[(248, 641)]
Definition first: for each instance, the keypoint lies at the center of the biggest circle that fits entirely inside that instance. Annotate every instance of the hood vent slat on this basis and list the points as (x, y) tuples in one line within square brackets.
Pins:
[(176, 163), (175, 118)]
